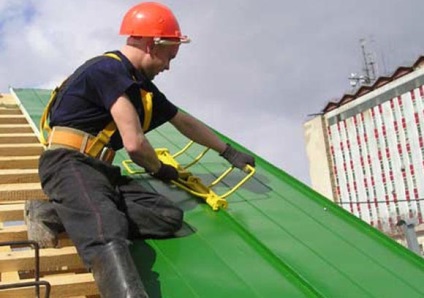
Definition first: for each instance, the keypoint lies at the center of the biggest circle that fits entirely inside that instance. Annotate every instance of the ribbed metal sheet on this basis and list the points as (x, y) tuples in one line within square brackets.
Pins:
[(278, 238)]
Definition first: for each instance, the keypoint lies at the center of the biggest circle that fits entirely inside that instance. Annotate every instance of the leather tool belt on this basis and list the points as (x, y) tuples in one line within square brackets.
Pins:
[(71, 138)]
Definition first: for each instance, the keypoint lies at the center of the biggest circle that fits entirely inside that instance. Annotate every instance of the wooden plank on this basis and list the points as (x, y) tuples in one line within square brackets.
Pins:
[(62, 286), (7, 100), (15, 128), (14, 119), (19, 162), (22, 186), (23, 149), (50, 259), (15, 233), (8, 277), (24, 194), (19, 233), (18, 138), (10, 111), (24, 191), (12, 212), (9, 176), (2, 203)]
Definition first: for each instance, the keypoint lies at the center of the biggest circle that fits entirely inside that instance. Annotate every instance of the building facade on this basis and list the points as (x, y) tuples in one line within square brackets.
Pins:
[(366, 151)]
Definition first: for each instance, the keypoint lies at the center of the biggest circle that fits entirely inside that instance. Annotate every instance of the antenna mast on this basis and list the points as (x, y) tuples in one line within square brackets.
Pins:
[(369, 75)]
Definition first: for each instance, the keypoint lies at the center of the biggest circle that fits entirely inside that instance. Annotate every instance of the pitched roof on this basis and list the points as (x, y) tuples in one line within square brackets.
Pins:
[(278, 238), (381, 81)]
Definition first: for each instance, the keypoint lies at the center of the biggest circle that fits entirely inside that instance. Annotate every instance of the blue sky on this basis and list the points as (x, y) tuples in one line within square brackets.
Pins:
[(10, 11), (254, 71)]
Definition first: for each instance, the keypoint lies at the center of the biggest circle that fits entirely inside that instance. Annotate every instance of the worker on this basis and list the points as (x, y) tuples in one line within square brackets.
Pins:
[(102, 107)]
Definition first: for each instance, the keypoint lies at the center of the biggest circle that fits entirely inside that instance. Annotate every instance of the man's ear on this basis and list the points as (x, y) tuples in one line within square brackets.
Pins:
[(151, 47)]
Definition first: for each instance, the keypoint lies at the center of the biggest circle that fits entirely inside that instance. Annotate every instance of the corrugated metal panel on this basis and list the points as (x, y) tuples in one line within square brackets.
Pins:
[(278, 238)]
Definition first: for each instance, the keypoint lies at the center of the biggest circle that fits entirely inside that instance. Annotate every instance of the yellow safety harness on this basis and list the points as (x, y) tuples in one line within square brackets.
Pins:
[(93, 146)]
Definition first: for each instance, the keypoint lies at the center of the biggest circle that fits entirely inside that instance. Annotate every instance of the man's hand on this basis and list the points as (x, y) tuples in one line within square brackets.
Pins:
[(237, 158), (166, 173)]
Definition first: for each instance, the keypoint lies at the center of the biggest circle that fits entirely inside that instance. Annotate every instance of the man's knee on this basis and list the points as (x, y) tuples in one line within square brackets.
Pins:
[(161, 222), (173, 216)]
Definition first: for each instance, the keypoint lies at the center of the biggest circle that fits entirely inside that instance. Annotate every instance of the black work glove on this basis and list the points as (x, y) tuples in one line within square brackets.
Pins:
[(166, 173), (237, 158)]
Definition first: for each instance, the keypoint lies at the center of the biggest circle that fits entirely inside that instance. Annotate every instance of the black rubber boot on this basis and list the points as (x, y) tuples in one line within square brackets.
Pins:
[(115, 272)]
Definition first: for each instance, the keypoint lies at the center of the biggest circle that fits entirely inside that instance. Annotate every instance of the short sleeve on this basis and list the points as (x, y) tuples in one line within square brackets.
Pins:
[(109, 80)]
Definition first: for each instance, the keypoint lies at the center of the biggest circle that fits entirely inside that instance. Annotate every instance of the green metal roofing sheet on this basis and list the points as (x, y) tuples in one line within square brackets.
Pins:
[(278, 238)]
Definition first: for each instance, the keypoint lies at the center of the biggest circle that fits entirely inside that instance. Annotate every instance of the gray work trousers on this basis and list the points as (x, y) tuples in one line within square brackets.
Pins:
[(97, 205)]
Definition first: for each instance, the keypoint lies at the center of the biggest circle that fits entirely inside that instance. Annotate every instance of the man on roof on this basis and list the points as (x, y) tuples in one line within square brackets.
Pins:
[(109, 103)]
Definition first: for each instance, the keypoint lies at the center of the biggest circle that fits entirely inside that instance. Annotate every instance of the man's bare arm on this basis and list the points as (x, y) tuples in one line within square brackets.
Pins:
[(135, 143)]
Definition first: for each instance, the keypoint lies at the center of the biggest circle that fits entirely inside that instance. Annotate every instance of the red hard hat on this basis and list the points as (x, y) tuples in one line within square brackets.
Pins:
[(151, 19)]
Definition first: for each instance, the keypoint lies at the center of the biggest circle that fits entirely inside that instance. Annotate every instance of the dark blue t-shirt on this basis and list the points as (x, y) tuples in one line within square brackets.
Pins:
[(84, 100)]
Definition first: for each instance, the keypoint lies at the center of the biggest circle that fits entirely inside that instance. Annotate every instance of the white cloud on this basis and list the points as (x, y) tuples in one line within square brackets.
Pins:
[(254, 70)]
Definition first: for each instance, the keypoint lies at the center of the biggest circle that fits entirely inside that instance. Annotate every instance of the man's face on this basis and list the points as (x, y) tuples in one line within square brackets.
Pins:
[(160, 59)]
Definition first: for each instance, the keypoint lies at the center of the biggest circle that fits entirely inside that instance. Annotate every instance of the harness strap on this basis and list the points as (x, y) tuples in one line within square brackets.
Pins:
[(70, 138), (102, 139), (44, 125), (146, 98)]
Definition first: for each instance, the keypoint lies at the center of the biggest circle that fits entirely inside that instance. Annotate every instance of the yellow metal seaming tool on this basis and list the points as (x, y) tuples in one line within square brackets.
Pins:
[(192, 184)]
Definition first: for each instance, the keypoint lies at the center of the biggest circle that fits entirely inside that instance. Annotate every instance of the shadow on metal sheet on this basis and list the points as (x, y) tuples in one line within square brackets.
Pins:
[(144, 257)]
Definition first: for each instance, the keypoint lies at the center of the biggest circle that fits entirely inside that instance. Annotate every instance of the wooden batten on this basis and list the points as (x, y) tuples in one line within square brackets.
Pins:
[(19, 162), (13, 233), (10, 111), (15, 128), (19, 182), (18, 138), (62, 286), (11, 212), (51, 259), (23, 191), (13, 119), (23, 149), (6, 276), (18, 176)]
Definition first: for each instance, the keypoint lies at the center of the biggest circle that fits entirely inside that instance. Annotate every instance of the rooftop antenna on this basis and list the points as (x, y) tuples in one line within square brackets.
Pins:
[(369, 75)]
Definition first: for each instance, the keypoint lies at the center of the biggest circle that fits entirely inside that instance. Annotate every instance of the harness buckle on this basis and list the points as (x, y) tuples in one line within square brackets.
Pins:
[(107, 154)]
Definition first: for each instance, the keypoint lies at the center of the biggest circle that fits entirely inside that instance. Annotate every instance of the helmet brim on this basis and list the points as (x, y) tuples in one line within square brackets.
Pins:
[(171, 41)]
